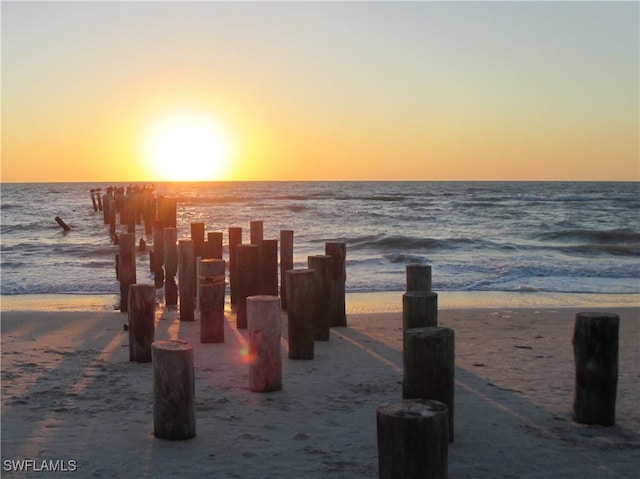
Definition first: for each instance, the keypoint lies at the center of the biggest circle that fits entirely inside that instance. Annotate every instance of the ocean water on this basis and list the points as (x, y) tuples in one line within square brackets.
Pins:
[(550, 237)]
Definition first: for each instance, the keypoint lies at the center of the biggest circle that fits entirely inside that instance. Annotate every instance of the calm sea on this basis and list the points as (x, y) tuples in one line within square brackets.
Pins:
[(493, 236)]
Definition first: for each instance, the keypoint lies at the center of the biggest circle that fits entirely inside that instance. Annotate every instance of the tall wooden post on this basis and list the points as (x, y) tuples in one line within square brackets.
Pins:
[(211, 284), (174, 390), (213, 248), (286, 263), (265, 360), (235, 238), (149, 216), (167, 211), (338, 251), (186, 280), (170, 253), (142, 308), (429, 364), (248, 279), (300, 315), (256, 232), (158, 254), (321, 265), (126, 267), (595, 347), (99, 199), (106, 201), (418, 277), (197, 236), (93, 200), (269, 267)]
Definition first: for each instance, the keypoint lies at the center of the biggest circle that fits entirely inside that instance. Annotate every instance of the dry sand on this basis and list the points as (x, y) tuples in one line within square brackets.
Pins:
[(70, 394)]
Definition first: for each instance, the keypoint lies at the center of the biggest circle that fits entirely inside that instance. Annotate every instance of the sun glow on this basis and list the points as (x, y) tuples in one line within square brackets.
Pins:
[(187, 147)]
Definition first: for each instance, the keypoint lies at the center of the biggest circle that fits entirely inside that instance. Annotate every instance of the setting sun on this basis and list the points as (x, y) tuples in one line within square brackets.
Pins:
[(187, 147)]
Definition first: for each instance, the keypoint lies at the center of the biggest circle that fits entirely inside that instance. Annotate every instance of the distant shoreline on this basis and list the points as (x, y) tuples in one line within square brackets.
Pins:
[(356, 303)]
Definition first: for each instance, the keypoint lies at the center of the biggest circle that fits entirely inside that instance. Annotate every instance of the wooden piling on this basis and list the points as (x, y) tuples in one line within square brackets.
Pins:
[(174, 411), (197, 236), (269, 267), (286, 263), (265, 359), (256, 232), (595, 347), (211, 284), (170, 254), (93, 200), (412, 440), (321, 265), (300, 314), (126, 267), (158, 254), (419, 309), (99, 199), (213, 248), (429, 360), (235, 238), (338, 314), (62, 224), (418, 277), (141, 314), (186, 280), (167, 211), (248, 279)]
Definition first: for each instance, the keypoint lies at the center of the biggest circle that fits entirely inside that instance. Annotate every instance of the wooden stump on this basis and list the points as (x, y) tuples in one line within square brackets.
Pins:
[(126, 267), (248, 279), (186, 280), (412, 440), (142, 308), (321, 265), (211, 285), (429, 358), (595, 347), (338, 314), (170, 253), (265, 360), (418, 277), (419, 309), (174, 412), (300, 314), (269, 267), (286, 263), (235, 239)]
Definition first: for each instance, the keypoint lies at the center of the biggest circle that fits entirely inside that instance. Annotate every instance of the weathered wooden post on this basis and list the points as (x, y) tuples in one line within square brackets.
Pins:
[(419, 309), (235, 239), (170, 253), (149, 214), (93, 200), (300, 315), (269, 267), (412, 440), (174, 391), (126, 267), (186, 280), (99, 199), (338, 251), (428, 358), (158, 254), (197, 236), (213, 248), (62, 224), (286, 263), (256, 232), (265, 360), (418, 277), (106, 201), (248, 279), (142, 308), (321, 265), (211, 284), (112, 217), (167, 211), (595, 348)]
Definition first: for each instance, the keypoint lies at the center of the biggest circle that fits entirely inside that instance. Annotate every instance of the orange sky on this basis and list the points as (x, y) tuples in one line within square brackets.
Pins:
[(323, 91)]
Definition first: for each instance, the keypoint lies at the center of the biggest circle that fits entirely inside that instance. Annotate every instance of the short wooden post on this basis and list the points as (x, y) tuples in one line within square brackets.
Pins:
[(174, 412), (197, 236), (286, 263), (412, 440), (213, 248), (338, 251), (269, 267), (248, 279), (429, 364), (142, 308), (235, 238), (265, 360), (126, 267), (170, 253), (256, 232), (62, 224), (300, 314), (595, 347), (211, 284), (186, 280), (418, 277), (321, 265), (419, 309)]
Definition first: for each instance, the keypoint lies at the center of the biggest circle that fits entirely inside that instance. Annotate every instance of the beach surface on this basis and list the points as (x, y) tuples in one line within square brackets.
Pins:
[(71, 399)]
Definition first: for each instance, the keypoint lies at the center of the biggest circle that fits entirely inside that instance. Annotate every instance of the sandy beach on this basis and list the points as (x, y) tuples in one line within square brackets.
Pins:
[(71, 397)]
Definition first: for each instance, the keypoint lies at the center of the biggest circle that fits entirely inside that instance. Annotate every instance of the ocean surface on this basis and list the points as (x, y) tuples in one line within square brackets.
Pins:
[(549, 237)]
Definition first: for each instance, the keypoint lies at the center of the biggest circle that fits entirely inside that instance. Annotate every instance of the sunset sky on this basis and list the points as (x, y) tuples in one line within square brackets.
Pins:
[(148, 91)]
